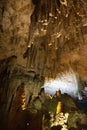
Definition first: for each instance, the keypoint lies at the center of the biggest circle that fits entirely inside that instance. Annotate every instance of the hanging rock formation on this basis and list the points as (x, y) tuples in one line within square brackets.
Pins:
[(36, 44)]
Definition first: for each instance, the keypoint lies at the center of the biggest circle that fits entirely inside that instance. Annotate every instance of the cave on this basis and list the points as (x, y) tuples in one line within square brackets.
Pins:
[(43, 67)]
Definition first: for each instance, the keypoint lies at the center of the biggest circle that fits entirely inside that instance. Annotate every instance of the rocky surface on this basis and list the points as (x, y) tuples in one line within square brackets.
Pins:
[(18, 29), (69, 116), (14, 28), (29, 54), (43, 114)]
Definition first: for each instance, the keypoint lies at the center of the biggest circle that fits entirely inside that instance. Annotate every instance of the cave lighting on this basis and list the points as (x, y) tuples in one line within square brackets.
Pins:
[(59, 106), (23, 106), (66, 83)]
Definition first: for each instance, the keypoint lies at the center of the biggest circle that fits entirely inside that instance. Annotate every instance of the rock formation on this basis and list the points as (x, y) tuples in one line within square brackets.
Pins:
[(39, 39)]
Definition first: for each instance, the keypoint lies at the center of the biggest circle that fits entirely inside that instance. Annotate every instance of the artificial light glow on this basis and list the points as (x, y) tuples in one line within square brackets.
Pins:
[(60, 119), (23, 106), (67, 83), (58, 110)]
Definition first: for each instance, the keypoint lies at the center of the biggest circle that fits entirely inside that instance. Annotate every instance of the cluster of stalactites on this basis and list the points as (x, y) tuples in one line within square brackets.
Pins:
[(55, 26), (58, 20)]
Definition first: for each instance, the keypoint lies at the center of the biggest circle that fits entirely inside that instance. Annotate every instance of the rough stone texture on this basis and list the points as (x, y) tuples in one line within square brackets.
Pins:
[(66, 51), (70, 115), (21, 61), (15, 36), (14, 28)]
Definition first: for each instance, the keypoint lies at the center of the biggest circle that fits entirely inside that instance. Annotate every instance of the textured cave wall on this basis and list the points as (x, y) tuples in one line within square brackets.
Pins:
[(14, 28), (20, 63), (18, 24), (14, 31), (69, 50), (18, 27), (17, 91)]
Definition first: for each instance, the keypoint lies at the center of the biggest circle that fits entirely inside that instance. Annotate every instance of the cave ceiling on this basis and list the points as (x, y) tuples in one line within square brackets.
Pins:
[(44, 37)]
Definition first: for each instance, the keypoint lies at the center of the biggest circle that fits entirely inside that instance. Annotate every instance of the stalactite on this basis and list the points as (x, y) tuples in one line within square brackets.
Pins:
[(62, 22)]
